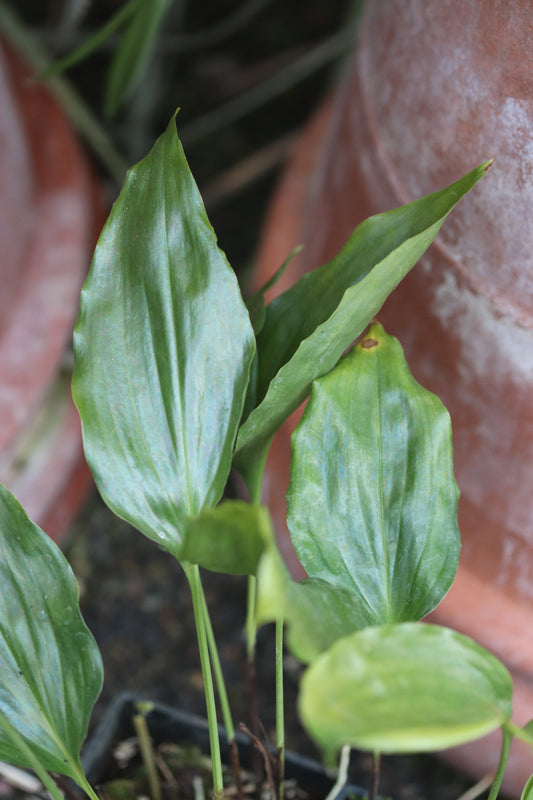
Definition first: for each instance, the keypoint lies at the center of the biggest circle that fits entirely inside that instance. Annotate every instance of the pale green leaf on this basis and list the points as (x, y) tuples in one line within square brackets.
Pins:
[(316, 613), (402, 689), (229, 538), (308, 327), (163, 347), (372, 500), (50, 667)]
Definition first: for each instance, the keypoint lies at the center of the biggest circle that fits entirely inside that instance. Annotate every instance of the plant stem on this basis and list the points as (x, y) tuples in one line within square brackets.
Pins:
[(342, 774), (507, 738), (217, 670), (251, 627), (193, 576), (147, 754), (280, 716), (376, 773), (21, 745)]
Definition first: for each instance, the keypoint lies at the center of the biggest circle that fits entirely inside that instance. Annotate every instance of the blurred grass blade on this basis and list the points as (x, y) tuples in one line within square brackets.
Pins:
[(133, 52), (95, 41)]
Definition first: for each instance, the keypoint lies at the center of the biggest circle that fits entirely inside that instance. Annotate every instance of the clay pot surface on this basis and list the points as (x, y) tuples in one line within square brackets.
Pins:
[(434, 89), (49, 212)]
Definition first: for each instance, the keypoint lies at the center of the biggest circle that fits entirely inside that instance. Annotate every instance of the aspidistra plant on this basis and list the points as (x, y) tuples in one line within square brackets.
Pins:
[(177, 379)]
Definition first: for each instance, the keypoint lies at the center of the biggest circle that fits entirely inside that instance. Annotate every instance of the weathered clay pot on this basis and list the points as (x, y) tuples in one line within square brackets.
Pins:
[(48, 219), (435, 88)]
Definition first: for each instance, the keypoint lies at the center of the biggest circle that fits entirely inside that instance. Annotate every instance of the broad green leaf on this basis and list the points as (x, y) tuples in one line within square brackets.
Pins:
[(372, 500), (315, 612), (50, 667), (163, 347), (134, 51), (308, 327), (404, 689), (230, 538)]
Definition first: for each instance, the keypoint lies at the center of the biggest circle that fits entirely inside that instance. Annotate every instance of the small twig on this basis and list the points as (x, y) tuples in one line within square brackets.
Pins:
[(165, 771), (198, 788), (236, 769), (478, 788), (267, 758), (342, 775), (247, 171), (376, 773)]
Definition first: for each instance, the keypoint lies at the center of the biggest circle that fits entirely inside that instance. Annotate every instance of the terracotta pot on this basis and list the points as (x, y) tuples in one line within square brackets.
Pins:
[(48, 218), (435, 88)]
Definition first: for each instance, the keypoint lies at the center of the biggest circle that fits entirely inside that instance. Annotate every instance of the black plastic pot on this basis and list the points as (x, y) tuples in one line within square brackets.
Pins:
[(179, 727)]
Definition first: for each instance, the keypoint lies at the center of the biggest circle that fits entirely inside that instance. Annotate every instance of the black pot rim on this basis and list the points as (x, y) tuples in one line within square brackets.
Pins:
[(169, 724)]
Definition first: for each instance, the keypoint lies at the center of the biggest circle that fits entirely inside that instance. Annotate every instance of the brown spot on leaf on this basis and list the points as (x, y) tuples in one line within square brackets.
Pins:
[(369, 343)]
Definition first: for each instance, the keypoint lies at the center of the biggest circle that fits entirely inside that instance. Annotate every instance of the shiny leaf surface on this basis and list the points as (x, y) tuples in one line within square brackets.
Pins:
[(402, 689), (50, 667), (308, 327), (372, 501), (163, 347)]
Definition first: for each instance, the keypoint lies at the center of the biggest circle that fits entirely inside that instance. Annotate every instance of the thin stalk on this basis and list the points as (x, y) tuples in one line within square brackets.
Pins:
[(342, 774), (21, 745), (193, 576), (376, 774), (507, 738), (254, 480), (251, 627), (217, 670), (147, 754), (280, 715)]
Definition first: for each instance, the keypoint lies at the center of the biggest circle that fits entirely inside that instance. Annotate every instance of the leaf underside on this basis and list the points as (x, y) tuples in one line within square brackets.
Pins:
[(402, 689)]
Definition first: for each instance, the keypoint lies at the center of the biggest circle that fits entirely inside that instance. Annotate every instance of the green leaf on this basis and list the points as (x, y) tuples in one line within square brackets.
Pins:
[(308, 327), (50, 667), (315, 612), (163, 347), (372, 500), (403, 689), (229, 539), (133, 52)]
